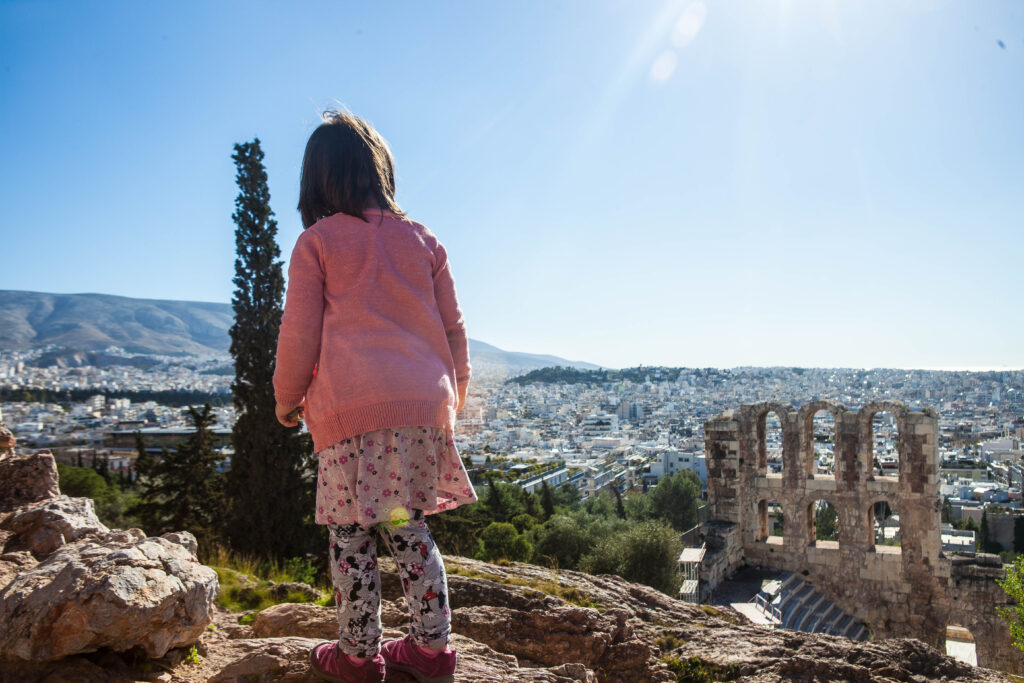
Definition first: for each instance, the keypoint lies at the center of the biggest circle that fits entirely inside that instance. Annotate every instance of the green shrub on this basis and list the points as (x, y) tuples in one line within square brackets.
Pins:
[(695, 670), (501, 541)]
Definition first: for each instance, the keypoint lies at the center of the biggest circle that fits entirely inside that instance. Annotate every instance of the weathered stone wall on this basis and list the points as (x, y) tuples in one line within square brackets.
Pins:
[(723, 555), (912, 590)]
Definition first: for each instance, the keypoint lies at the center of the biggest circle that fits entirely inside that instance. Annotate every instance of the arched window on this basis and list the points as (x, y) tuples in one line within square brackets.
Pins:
[(770, 521), (960, 644), (885, 445), (886, 531), (773, 442), (822, 524), (823, 442)]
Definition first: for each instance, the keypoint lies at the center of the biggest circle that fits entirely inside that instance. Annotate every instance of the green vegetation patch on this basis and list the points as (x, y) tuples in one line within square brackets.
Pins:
[(246, 584), (717, 613), (668, 642), (696, 670)]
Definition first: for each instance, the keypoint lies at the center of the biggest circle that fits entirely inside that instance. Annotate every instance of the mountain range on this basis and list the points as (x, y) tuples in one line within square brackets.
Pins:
[(93, 322)]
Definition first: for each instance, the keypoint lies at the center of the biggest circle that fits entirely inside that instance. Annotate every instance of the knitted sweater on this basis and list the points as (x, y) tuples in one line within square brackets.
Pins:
[(372, 336)]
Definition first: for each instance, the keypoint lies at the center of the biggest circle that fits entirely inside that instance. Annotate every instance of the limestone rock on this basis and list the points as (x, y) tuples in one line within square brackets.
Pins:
[(27, 479), (7, 442), (563, 635), (287, 659), (315, 621), (128, 591), (183, 538), (11, 564), (266, 659), (43, 527)]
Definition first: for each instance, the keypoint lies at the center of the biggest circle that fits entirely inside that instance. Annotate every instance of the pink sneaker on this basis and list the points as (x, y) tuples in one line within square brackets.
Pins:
[(404, 655), (331, 664)]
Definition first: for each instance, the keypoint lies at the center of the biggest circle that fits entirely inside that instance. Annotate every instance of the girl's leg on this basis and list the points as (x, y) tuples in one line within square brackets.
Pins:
[(356, 578), (423, 581)]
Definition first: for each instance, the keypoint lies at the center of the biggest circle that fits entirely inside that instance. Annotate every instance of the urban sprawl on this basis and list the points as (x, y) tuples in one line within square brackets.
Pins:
[(591, 430)]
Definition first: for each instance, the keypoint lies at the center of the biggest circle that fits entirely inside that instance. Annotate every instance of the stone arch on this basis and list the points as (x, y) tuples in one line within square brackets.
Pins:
[(865, 417), (760, 415), (960, 644), (805, 422), (810, 506), (766, 521), (876, 532)]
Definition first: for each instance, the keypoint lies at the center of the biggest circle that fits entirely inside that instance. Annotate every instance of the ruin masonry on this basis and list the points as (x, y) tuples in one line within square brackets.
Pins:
[(912, 590)]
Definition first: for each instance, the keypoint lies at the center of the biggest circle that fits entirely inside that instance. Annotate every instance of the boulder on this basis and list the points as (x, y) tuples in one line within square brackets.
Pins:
[(7, 442), (265, 660), (562, 635), (27, 479), (43, 527), (315, 621), (123, 592)]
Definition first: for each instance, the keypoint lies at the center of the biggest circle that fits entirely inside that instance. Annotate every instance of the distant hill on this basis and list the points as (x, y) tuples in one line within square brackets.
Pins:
[(92, 322), (88, 323), (487, 359)]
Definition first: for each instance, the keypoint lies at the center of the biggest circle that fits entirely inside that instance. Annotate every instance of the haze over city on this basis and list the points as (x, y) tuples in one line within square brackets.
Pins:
[(695, 184)]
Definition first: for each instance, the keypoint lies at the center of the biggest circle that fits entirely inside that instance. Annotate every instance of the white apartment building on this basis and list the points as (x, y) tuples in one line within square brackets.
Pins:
[(672, 460), (599, 424)]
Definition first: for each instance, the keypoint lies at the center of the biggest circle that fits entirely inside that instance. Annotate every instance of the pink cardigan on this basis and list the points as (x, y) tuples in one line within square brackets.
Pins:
[(372, 307)]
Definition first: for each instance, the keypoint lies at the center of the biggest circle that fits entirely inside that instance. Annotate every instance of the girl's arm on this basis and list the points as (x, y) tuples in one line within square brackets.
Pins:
[(298, 343), (454, 323)]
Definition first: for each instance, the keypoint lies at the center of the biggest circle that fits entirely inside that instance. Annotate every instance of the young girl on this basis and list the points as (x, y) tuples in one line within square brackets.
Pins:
[(373, 351)]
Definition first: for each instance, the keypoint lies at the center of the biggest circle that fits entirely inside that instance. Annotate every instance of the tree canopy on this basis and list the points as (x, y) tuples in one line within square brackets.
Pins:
[(270, 496)]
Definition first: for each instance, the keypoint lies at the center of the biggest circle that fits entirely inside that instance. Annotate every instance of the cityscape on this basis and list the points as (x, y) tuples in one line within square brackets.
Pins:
[(593, 430)]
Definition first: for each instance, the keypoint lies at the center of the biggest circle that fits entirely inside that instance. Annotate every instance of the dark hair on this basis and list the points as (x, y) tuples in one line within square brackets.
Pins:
[(347, 168)]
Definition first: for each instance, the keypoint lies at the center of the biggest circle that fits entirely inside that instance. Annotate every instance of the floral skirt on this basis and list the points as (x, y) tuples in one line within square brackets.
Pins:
[(382, 476)]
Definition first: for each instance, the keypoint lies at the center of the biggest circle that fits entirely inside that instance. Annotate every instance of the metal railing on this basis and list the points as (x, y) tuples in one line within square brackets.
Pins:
[(767, 607)]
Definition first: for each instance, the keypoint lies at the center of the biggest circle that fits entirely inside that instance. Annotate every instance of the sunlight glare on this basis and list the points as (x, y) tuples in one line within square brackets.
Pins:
[(689, 24), (664, 66)]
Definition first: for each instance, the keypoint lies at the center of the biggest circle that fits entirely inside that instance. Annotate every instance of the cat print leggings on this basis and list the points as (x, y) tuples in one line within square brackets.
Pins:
[(353, 559)]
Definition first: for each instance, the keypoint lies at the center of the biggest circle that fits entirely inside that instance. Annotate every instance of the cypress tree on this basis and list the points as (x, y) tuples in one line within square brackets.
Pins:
[(620, 509), (947, 511), (269, 498), (183, 491), (547, 500), (985, 543), (496, 503)]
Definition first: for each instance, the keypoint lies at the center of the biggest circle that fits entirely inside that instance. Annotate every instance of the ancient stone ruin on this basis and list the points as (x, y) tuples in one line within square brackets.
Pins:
[(910, 590)]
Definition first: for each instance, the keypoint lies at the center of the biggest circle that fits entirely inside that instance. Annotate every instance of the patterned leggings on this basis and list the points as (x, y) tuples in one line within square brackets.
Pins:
[(353, 558)]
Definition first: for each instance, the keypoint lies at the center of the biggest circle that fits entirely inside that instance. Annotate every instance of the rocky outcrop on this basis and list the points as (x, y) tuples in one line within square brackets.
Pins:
[(27, 479), (314, 621), (633, 634), (43, 527), (7, 442), (70, 585), (514, 622), (130, 591)]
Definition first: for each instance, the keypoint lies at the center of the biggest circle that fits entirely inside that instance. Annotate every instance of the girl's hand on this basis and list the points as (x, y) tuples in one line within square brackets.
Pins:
[(289, 416)]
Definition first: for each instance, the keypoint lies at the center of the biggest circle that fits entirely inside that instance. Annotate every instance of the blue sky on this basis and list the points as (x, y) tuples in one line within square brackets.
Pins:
[(683, 183)]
